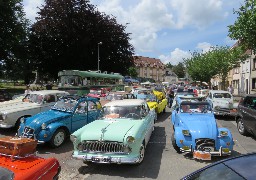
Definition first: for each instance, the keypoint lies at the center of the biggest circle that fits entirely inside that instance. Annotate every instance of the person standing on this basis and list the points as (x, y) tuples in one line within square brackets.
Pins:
[(28, 90), (231, 89), (170, 94)]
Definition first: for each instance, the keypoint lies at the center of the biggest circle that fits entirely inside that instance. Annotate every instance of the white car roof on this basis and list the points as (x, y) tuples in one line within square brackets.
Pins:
[(45, 92), (218, 91), (126, 102)]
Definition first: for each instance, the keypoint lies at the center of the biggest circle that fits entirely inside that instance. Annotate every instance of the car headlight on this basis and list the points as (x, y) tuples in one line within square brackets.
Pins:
[(43, 126), (22, 120), (126, 149), (130, 139), (223, 133), (186, 132), (73, 138), (80, 147)]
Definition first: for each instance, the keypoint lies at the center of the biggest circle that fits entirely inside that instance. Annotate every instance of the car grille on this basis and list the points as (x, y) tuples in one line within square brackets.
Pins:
[(104, 147), (28, 132), (205, 144)]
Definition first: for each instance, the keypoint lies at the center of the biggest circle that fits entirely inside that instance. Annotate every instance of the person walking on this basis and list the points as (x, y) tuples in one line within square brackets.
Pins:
[(170, 94), (231, 89)]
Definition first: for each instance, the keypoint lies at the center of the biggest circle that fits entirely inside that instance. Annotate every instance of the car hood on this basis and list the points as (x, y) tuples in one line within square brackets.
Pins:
[(200, 126), (222, 102), (45, 117), (108, 130), (17, 106)]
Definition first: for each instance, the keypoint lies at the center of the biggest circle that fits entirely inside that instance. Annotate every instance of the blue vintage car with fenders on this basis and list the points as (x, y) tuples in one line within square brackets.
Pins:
[(65, 117), (196, 131)]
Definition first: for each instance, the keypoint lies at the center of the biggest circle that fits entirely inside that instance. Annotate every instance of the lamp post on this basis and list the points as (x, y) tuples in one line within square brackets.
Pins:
[(99, 55)]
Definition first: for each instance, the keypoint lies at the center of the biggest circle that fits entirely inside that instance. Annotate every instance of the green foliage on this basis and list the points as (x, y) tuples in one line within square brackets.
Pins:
[(66, 36), (132, 72), (169, 65), (179, 70), (217, 61), (13, 39), (244, 27)]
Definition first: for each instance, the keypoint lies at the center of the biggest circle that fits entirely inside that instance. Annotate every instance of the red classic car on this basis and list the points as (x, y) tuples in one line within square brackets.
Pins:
[(97, 93), (28, 168)]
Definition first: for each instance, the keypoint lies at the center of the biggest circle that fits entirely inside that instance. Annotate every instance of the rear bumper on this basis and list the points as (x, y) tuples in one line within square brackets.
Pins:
[(225, 111)]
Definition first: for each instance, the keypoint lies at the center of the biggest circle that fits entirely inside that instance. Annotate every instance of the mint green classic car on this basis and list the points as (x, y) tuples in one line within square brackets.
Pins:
[(120, 136)]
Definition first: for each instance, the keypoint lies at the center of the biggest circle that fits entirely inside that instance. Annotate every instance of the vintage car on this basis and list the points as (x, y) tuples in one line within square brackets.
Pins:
[(196, 131), (64, 118), (155, 99), (33, 103), (98, 93), (18, 160), (117, 95), (120, 136), (222, 102)]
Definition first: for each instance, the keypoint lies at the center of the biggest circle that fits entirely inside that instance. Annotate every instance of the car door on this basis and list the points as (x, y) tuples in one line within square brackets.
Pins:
[(248, 111), (93, 111), (148, 121), (80, 116)]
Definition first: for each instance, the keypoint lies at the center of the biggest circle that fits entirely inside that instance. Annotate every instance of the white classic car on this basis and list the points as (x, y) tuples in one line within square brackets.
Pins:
[(222, 102), (33, 103)]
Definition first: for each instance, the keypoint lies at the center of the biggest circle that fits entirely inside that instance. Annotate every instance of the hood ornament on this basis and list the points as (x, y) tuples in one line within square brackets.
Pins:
[(103, 130)]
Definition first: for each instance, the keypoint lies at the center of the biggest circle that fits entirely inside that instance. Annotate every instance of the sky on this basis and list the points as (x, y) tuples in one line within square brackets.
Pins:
[(168, 30)]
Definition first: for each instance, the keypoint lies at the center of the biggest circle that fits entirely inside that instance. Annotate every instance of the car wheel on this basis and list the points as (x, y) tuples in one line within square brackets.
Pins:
[(240, 127), (58, 138), (142, 154), (164, 109), (177, 149)]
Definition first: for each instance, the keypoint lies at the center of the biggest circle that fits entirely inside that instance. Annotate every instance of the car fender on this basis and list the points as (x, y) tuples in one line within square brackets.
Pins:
[(178, 135), (51, 129), (223, 140)]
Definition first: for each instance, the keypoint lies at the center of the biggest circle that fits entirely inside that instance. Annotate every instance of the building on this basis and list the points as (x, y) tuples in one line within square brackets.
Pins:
[(170, 76), (150, 68)]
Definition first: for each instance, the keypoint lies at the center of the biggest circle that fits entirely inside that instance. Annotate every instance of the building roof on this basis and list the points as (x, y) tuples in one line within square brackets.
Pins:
[(148, 62)]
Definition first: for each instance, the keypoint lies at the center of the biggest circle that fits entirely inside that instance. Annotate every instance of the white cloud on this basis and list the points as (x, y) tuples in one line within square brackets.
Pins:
[(198, 13), (175, 56), (204, 46), (30, 7)]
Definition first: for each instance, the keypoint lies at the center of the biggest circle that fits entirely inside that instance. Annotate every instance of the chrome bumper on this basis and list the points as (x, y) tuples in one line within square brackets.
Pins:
[(5, 125), (213, 153), (106, 159)]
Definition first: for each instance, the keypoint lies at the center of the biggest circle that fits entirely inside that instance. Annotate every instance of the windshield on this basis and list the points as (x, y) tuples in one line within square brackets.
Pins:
[(114, 97), (195, 108), (221, 95), (6, 174), (34, 98), (111, 112), (65, 105)]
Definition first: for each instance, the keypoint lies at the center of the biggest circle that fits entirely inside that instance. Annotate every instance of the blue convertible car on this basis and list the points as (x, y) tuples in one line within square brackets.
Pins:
[(196, 131), (64, 118)]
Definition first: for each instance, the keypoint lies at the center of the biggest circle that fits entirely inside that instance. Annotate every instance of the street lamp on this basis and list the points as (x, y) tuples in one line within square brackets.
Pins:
[(99, 55)]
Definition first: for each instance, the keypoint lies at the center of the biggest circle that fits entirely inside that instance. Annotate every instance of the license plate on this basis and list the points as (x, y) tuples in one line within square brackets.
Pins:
[(202, 155), (101, 159)]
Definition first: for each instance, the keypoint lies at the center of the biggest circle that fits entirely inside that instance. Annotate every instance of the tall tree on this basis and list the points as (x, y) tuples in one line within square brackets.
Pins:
[(13, 39), (217, 61), (244, 27), (67, 36), (179, 70)]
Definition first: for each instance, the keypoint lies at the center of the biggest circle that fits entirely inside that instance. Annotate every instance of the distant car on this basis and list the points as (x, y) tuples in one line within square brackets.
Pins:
[(240, 167), (203, 93), (64, 118), (33, 103), (4, 95), (118, 95), (222, 102), (196, 131), (120, 136), (246, 115)]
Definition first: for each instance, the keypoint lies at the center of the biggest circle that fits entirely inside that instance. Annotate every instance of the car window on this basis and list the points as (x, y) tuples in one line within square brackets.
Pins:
[(219, 171), (221, 95), (250, 102)]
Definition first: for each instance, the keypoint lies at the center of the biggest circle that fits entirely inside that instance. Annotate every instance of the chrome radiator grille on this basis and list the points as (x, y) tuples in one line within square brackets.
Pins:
[(105, 147), (205, 144)]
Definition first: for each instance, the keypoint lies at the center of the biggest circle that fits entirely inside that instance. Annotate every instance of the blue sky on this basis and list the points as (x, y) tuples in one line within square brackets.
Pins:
[(167, 29)]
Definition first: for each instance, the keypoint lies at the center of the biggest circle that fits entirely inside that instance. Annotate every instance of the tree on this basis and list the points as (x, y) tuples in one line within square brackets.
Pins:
[(66, 36), (169, 65), (217, 61), (244, 27), (179, 70), (132, 72), (13, 39)]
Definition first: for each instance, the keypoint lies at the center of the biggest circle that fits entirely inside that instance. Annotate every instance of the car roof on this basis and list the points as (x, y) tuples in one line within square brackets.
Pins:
[(44, 92), (218, 91), (125, 102)]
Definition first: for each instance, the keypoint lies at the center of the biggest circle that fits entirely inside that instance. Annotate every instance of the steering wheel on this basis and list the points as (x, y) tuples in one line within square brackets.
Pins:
[(132, 115)]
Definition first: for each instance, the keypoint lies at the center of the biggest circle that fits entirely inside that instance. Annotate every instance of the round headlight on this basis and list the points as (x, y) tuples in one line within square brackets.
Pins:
[(43, 126), (130, 139), (73, 138), (22, 120), (80, 147)]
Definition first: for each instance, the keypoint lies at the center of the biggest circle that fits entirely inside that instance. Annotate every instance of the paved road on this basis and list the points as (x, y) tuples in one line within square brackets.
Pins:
[(161, 161)]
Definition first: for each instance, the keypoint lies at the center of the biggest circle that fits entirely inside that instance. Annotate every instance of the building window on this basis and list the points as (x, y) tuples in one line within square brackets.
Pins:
[(254, 64), (254, 83)]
